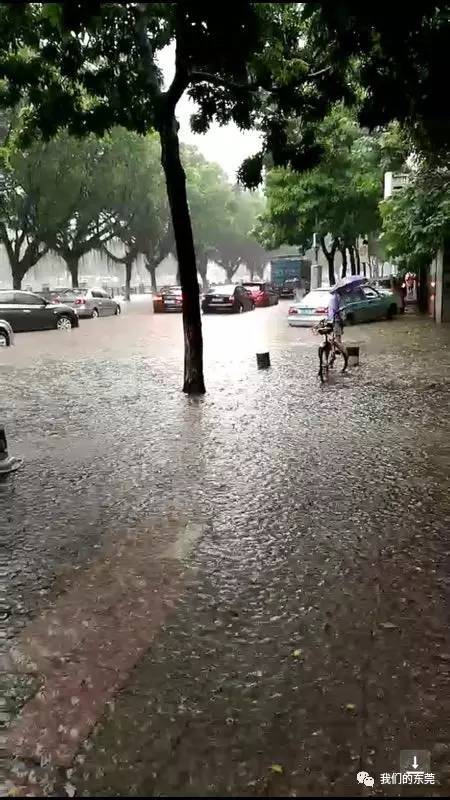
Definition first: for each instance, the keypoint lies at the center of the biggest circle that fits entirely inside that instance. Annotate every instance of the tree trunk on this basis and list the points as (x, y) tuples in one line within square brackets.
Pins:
[(329, 255), (18, 272), (343, 251), (330, 261), (72, 262), (128, 271), (17, 276), (358, 260), (351, 251), (181, 221), (151, 267), (203, 268)]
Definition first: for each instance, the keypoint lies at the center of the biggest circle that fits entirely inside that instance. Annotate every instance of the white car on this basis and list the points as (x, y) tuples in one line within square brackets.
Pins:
[(310, 310)]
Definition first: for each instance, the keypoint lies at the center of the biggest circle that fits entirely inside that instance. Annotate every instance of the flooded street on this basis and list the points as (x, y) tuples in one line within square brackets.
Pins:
[(242, 594)]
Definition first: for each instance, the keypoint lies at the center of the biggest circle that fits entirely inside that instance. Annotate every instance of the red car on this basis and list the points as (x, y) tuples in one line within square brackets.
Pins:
[(263, 294)]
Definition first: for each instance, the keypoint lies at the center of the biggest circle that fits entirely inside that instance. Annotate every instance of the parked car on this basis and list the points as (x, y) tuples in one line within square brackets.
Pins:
[(6, 334), (263, 294), (383, 287), (366, 304), (169, 298), (89, 302), (360, 305), (26, 311), (227, 298)]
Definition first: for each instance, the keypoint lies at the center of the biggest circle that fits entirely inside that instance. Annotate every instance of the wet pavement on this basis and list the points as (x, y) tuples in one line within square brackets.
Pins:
[(242, 594)]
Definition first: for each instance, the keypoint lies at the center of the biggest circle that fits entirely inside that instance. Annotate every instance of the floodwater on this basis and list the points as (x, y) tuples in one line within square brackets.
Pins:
[(240, 594)]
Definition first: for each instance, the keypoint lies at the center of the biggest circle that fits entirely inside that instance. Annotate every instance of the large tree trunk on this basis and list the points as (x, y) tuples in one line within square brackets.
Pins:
[(72, 262), (128, 271), (181, 221)]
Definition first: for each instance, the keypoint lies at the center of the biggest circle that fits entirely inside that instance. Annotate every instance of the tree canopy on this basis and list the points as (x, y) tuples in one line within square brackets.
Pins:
[(72, 195), (416, 221), (398, 56), (340, 196)]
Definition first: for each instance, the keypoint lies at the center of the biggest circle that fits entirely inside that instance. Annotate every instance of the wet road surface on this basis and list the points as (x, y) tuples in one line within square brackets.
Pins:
[(253, 585)]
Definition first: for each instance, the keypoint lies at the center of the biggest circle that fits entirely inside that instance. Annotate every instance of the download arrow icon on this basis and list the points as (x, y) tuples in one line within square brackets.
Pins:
[(415, 762)]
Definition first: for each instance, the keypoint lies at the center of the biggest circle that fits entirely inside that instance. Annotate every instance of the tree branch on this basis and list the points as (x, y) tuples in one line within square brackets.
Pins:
[(146, 51), (318, 72), (323, 246), (7, 243), (116, 259), (181, 77), (198, 76)]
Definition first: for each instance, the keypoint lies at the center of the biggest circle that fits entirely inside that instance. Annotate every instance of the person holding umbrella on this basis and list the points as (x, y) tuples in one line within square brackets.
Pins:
[(334, 316), (337, 292)]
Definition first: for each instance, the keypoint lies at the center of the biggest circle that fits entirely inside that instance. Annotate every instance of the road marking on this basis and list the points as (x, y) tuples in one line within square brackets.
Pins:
[(85, 646)]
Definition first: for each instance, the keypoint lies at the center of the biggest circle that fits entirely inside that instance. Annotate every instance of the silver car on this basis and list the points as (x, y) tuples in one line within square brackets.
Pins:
[(6, 334), (90, 302)]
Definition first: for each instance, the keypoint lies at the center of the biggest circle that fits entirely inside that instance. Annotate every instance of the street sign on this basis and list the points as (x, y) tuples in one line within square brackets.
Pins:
[(394, 182)]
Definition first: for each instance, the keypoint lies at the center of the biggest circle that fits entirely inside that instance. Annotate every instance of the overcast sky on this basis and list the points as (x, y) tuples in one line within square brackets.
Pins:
[(227, 144)]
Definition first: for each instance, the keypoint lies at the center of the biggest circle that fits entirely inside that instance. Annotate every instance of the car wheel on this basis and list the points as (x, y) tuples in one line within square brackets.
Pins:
[(4, 339), (64, 323), (94, 313), (118, 310), (392, 311)]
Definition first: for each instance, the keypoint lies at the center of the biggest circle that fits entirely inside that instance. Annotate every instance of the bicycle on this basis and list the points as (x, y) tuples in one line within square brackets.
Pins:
[(329, 349)]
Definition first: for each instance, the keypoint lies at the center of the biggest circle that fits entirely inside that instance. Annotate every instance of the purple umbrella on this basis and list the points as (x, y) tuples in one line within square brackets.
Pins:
[(351, 282)]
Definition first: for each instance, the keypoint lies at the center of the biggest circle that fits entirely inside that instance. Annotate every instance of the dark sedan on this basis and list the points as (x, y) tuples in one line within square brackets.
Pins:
[(289, 288), (234, 299), (26, 311), (169, 298)]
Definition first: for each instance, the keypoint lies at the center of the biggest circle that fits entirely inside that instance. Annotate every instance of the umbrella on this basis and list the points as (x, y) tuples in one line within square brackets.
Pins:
[(351, 282)]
